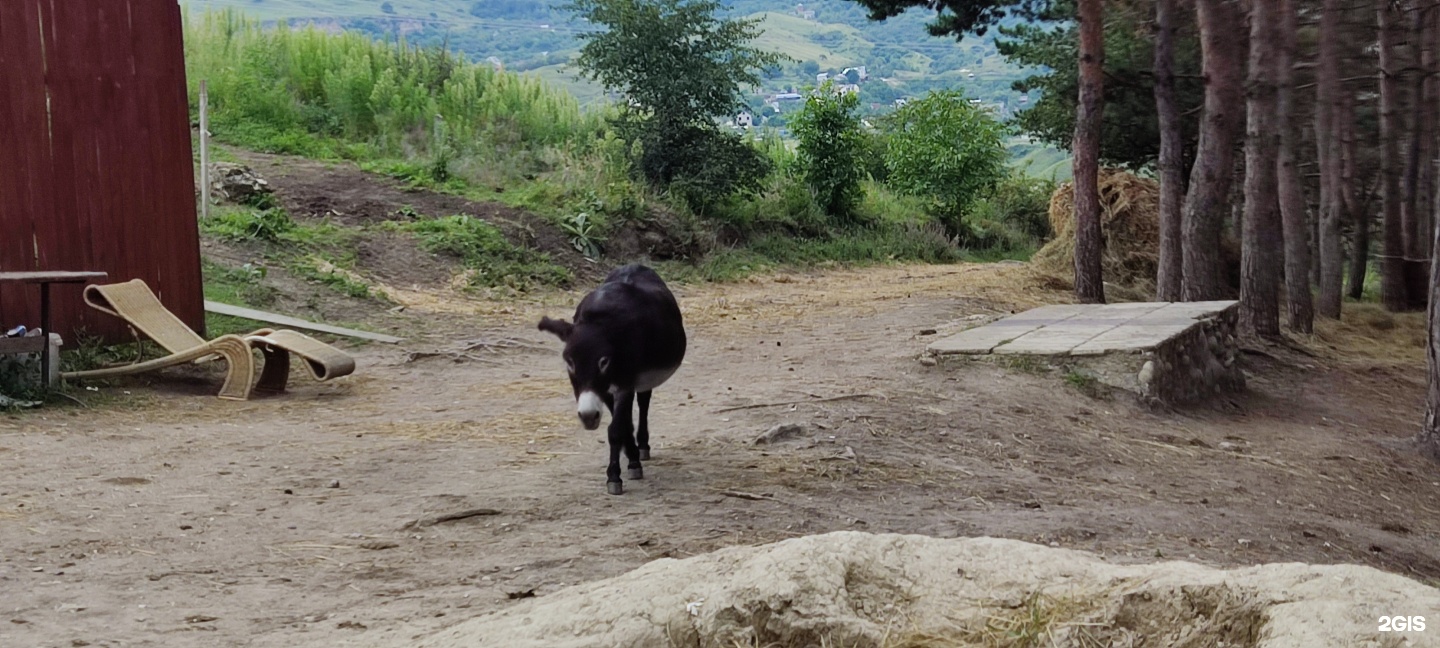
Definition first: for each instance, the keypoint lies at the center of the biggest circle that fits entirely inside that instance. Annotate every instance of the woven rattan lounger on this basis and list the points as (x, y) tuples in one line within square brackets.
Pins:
[(134, 302)]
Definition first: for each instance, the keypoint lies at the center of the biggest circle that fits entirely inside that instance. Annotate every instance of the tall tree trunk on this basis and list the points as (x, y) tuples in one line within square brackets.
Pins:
[(1089, 284), (1301, 310), (1328, 93), (1358, 211), (1262, 245), (1222, 39), (1425, 128), (1169, 282), (1413, 211), (1392, 259), (1429, 437)]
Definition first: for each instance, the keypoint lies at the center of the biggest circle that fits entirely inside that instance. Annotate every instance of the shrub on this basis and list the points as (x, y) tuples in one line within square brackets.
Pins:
[(830, 149), (946, 149)]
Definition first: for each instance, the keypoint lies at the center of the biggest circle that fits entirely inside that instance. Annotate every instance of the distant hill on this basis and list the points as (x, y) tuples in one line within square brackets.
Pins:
[(822, 35)]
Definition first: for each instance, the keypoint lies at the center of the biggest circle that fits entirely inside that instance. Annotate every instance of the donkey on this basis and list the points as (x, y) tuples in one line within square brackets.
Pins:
[(627, 339)]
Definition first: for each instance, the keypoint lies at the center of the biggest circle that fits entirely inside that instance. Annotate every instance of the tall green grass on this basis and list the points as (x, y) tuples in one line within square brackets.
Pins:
[(312, 93)]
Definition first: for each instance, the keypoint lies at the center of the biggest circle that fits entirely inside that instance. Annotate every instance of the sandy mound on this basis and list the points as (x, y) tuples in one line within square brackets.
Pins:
[(902, 591), (1129, 223)]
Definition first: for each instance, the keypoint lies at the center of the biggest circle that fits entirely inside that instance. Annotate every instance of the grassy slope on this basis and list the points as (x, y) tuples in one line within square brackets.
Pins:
[(783, 32), (281, 9)]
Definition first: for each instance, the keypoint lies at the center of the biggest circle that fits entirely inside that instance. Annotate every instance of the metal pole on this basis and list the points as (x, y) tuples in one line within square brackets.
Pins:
[(204, 151), (45, 335)]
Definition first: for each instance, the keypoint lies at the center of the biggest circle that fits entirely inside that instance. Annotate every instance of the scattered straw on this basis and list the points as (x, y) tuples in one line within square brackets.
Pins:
[(516, 429), (1368, 334)]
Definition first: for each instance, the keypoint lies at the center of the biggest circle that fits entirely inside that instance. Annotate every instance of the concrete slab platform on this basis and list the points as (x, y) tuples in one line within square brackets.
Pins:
[(1081, 329), (1168, 352)]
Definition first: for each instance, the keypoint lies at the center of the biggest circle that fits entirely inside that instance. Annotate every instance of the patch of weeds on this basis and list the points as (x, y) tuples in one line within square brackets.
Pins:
[(324, 235), (406, 213), (1029, 364), (583, 233), (483, 249), (319, 270), (268, 225), (217, 325), (1087, 384), (242, 286), (725, 264), (419, 174)]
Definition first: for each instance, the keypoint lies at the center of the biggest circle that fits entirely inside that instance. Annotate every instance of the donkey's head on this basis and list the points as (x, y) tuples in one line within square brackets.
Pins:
[(587, 358)]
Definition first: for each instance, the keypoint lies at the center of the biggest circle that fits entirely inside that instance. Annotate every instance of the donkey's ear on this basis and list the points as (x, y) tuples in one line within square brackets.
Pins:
[(560, 328)]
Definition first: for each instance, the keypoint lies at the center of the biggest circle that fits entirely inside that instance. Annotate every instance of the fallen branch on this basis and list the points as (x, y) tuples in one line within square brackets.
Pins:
[(748, 496), (449, 517), (797, 402)]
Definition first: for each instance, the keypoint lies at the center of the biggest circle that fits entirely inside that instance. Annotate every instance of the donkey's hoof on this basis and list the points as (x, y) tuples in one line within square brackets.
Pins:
[(615, 488), (636, 473), (644, 454)]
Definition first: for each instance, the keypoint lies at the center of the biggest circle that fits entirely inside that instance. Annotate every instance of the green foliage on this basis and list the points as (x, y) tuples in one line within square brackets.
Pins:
[(247, 225), (681, 68), (959, 17), (702, 166), (485, 250), (672, 59), (297, 91), (831, 146), (879, 243), (1021, 204), (584, 235), (948, 150), (242, 286), (1130, 135)]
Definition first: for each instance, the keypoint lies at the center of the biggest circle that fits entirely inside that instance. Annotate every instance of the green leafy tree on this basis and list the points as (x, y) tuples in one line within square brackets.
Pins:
[(959, 17), (1130, 135), (681, 69), (945, 148), (831, 148)]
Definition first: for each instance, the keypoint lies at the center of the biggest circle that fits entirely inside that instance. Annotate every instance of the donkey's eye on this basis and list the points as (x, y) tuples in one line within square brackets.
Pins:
[(570, 365)]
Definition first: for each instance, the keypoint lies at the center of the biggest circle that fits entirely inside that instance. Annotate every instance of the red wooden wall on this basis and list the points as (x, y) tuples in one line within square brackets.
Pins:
[(95, 159)]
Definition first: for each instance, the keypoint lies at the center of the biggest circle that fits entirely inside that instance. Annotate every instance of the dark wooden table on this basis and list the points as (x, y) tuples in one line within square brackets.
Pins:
[(44, 279)]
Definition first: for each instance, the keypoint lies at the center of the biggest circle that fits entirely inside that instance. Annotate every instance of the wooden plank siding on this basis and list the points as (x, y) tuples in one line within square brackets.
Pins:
[(96, 169)]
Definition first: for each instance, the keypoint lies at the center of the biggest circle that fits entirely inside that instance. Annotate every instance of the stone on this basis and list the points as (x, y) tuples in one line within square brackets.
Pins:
[(237, 183), (1147, 373), (779, 433), (859, 589)]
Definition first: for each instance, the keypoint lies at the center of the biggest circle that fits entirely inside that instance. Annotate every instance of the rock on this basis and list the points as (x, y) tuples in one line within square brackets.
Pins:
[(236, 183), (781, 432), (928, 361), (855, 588), (1147, 374)]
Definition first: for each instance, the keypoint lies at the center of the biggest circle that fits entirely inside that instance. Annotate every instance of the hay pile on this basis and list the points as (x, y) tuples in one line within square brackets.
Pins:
[(1129, 225)]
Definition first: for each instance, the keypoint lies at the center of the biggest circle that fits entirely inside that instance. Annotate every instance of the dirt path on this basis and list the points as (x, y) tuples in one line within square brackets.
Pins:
[(280, 522)]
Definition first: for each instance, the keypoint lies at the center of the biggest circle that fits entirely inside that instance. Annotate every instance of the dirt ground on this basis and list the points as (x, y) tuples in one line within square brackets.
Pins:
[(162, 516)]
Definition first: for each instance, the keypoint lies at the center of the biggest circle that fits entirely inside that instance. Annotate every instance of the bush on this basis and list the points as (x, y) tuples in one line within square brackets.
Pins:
[(947, 149), (701, 165), (1019, 203), (830, 149), (875, 143)]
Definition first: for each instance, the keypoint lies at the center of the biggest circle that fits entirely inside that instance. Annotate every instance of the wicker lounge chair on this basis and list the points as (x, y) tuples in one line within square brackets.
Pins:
[(134, 302)]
